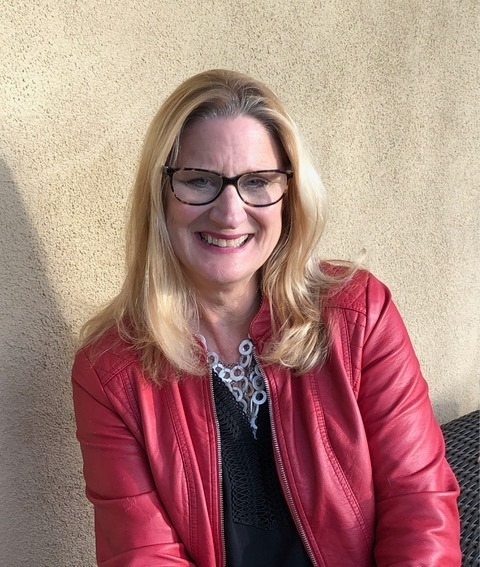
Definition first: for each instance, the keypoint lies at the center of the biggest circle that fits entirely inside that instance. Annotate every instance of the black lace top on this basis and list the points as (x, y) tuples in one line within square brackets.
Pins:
[(259, 530)]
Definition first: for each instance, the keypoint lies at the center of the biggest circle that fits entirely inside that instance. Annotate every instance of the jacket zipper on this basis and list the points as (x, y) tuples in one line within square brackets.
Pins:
[(220, 473), (283, 476)]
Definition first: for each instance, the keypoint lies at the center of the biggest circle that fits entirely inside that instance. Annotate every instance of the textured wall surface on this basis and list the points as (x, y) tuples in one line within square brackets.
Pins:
[(387, 96)]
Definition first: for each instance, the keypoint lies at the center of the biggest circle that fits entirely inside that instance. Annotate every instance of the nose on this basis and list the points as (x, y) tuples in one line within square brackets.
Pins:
[(228, 210)]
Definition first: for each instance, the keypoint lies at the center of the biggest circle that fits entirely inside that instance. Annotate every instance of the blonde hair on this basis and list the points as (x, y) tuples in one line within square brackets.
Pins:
[(155, 309)]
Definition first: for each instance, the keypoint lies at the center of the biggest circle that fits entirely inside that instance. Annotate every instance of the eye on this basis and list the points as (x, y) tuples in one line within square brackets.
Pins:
[(254, 182), (200, 182), (197, 181)]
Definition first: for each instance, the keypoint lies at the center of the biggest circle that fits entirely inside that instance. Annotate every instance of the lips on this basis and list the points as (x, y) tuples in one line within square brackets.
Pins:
[(224, 242)]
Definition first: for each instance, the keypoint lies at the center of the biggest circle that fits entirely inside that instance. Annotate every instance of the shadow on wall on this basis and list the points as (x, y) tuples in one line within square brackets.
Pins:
[(44, 520)]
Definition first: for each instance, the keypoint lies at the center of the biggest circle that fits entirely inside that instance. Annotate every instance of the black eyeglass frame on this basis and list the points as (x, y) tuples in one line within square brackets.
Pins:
[(169, 171)]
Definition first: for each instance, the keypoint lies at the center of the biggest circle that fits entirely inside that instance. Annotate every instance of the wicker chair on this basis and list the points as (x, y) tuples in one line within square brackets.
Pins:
[(462, 443)]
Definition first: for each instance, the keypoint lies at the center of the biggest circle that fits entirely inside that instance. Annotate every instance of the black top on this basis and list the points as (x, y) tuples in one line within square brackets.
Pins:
[(259, 530)]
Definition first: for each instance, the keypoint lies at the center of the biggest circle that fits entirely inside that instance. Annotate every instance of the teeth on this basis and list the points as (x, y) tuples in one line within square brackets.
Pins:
[(223, 243)]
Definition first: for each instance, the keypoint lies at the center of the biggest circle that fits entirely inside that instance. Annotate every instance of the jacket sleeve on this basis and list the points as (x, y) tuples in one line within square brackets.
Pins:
[(415, 489), (131, 526)]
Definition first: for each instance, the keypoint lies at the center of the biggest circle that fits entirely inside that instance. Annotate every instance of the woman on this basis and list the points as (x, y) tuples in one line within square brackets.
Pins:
[(240, 402)]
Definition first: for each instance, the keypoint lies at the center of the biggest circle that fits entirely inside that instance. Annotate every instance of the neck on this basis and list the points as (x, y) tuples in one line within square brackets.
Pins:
[(225, 321)]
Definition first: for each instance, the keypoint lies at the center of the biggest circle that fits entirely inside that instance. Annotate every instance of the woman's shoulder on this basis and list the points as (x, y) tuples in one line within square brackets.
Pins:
[(107, 356), (354, 289)]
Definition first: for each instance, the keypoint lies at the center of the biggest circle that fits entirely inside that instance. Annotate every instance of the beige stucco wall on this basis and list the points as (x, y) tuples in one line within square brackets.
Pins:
[(387, 95)]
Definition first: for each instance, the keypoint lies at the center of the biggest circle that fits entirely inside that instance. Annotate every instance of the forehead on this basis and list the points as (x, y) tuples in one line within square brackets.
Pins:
[(228, 143)]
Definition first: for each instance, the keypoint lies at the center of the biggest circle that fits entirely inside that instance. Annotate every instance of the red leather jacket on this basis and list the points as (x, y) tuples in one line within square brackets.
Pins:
[(359, 453)]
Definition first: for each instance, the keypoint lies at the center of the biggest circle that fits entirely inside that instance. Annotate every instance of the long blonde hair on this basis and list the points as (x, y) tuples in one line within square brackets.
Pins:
[(155, 309)]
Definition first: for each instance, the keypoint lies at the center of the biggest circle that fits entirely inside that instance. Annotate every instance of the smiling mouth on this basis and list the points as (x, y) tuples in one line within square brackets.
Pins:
[(223, 242)]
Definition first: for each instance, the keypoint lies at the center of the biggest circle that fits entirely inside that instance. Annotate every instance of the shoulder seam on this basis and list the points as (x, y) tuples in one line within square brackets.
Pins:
[(105, 377)]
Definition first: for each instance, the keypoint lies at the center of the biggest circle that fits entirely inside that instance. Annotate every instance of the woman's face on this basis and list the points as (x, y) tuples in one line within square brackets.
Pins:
[(222, 245)]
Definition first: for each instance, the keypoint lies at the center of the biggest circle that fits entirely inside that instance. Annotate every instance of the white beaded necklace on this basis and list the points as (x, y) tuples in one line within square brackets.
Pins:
[(244, 379)]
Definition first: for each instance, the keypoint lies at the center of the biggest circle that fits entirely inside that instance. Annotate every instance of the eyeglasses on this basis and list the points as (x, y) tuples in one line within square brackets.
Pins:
[(201, 187)]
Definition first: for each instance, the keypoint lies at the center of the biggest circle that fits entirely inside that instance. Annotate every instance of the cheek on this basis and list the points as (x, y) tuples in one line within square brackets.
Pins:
[(170, 222), (178, 216), (175, 227), (279, 224), (272, 225), (277, 221)]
